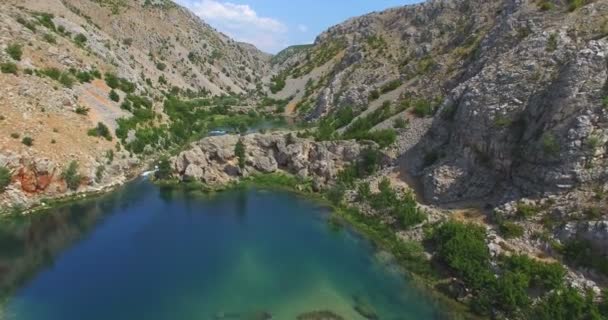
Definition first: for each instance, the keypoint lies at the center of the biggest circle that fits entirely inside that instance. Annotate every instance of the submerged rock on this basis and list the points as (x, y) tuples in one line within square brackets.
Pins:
[(364, 308), (320, 315)]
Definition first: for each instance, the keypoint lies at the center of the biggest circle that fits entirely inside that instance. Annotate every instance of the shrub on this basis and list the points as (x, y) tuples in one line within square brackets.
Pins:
[(545, 5), (423, 108), (66, 80), (336, 194), (511, 230), (14, 51), (101, 131), (550, 144), (84, 76), (52, 73), (46, 19), (239, 151), (114, 96), (374, 95), (391, 86), (164, 169), (27, 141), (49, 38), (80, 39), (525, 210), (161, 66), (363, 191), (5, 178), (15, 135), (82, 110), (463, 248), (581, 253), (400, 123), (278, 83), (552, 42), (71, 176), (565, 303), (576, 4), (99, 173), (112, 80), (8, 67)]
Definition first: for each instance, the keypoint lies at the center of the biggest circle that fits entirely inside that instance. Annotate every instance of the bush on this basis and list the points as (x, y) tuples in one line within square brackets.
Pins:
[(5, 178), (27, 141), (71, 176), (15, 135), (564, 304), (400, 123), (581, 253), (550, 144), (112, 80), (552, 42), (161, 66), (526, 211), (391, 86), (82, 110), (101, 131), (374, 95), (49, 38), (278, 83), (463, 248), (8, 67), (423, 108), (80, 39), (14, 51), (239, 151), (336, 194), (510, 230), (66, 80), (164, 169), (576, 4), (114, 96)]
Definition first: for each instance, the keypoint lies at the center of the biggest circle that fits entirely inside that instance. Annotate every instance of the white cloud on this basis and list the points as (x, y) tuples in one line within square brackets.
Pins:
[(303, 28), (241, 22)]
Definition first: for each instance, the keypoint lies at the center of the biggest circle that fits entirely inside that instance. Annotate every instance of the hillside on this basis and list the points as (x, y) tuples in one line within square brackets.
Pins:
[(494, 91), (68, 65)]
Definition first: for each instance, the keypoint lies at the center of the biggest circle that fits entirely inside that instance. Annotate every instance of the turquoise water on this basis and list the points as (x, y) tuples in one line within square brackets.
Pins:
[(149, 253)]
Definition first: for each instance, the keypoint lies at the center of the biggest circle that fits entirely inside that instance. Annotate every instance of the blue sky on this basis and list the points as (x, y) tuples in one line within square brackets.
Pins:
[(272, 25)]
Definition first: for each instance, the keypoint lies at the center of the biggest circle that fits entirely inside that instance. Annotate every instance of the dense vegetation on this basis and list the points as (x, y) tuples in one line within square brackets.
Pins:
[(359, 129), (188, 120), (462, 247)]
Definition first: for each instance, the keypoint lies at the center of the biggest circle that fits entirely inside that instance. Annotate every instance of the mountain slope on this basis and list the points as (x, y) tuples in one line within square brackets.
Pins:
[(69, 65), (501, 80)]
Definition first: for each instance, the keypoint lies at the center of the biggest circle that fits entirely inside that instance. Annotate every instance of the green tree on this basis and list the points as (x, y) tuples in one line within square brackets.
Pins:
[(114, 96), (71, 176), (239, 151), (5, 178), (463, 248), (164, 169), (27, 141)]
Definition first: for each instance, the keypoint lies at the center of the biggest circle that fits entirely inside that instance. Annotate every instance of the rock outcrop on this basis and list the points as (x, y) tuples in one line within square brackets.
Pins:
[(213, 160)]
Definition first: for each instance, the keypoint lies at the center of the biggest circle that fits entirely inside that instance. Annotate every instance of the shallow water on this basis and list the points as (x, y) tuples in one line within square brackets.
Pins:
[(144, 252)]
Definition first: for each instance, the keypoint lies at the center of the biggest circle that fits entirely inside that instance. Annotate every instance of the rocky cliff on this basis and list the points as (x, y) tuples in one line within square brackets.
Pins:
[(214, 160)]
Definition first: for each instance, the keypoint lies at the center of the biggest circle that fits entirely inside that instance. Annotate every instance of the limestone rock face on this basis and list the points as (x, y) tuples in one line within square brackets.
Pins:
[(212, 160)]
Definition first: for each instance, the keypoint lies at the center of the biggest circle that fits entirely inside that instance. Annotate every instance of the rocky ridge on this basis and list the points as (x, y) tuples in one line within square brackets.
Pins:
[(213, 160)]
